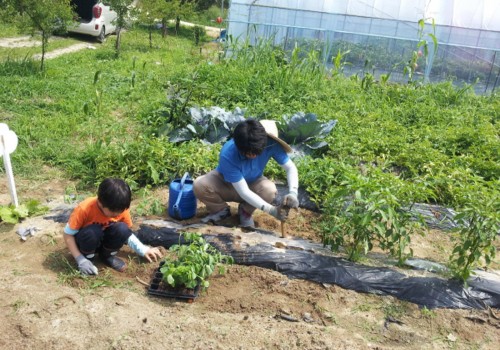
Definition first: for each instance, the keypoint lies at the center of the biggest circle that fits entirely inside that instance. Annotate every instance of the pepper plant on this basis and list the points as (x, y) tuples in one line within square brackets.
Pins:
[(194, 262), (478, 227), (365, 209)]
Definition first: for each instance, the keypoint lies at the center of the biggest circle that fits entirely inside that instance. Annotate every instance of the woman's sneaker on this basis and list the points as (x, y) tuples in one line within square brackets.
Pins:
[(246, 219), (215, 217)]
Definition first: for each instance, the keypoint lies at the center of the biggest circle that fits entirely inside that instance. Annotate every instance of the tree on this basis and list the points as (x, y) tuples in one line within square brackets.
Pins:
[(149, 13), (186, 8), (44, 16), (7, 11), (202, 5), (169, 10), (122, 9)]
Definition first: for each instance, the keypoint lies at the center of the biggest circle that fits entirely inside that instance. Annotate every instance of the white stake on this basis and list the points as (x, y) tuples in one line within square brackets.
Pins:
[(8, 143)]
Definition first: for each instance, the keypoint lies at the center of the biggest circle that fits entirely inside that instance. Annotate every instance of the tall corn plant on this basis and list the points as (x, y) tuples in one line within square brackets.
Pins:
[(422, 48)]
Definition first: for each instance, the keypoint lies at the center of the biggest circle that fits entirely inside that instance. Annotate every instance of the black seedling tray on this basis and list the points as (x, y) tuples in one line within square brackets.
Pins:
[(160, 288)]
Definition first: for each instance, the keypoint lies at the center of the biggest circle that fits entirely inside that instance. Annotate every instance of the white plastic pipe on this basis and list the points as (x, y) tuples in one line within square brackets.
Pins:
[(8, 143)]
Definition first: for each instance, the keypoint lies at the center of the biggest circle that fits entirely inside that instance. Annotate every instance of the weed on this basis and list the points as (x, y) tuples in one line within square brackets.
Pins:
[(49, 238), (72, 195), (395, 309), (21, 67), (362, 308), (17, 305), (19, 273), (148, 204), (427, 313)]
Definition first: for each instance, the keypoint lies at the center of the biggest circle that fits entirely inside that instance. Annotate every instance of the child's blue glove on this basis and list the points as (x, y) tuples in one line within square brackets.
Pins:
[(85, 266)]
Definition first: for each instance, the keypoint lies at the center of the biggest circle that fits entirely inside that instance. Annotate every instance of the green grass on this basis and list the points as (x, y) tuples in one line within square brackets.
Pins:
[(425, 131), (91, 115), (68, 274), (9, 30)]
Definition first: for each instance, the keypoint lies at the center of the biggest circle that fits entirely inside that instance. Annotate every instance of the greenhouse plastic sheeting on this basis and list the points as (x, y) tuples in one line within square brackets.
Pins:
[(479, 15), (383, 34), (431, 292)]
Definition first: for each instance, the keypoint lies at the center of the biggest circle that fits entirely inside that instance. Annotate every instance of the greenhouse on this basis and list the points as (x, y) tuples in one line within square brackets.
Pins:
[(427, 40)]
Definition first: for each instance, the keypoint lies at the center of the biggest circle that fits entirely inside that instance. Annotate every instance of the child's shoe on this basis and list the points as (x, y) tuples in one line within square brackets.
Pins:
[(108, 257), (114, 262)]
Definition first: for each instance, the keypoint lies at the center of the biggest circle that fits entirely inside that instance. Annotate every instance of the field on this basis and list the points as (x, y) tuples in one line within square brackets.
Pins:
[(91, 114)]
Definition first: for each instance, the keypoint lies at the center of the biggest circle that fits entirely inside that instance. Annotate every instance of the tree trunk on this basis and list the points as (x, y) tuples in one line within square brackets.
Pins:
[(118, 39), (151, 37), (177, 25), (45, 41), (163, 28)]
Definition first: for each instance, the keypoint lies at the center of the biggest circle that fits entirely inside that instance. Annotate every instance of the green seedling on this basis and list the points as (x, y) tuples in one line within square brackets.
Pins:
[(194, 262)]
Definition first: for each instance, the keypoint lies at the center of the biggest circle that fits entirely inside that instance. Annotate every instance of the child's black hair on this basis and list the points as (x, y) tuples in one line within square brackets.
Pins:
[(114, 194), (250, 137)]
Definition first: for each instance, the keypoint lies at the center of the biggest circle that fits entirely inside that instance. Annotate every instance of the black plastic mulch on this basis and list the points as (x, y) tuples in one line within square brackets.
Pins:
[(431, 292)]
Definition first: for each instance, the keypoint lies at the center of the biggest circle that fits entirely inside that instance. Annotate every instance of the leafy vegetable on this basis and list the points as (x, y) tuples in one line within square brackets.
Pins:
[(303, 132), (194, 262), (211, 125), (12, 215)]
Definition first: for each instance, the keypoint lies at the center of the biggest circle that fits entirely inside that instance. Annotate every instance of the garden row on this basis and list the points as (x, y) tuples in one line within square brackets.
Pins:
[(393, 145)]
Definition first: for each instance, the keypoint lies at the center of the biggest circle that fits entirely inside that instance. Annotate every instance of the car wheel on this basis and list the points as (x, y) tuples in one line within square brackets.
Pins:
[(102, 35)]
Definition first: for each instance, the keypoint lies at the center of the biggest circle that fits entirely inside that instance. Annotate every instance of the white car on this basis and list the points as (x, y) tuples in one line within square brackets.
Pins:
[(95, 18)]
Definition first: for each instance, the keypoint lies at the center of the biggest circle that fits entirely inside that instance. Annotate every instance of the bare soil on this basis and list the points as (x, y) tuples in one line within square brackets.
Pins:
[(43, 306)]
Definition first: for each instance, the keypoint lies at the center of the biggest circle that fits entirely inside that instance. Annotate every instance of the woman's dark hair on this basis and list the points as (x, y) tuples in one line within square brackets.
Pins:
[(114, 194), (250, 137)]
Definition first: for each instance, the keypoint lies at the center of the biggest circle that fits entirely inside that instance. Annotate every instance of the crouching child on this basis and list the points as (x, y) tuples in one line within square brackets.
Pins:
[(101, 226)]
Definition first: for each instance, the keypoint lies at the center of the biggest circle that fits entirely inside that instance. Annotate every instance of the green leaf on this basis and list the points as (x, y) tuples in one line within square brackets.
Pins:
[(8, 216), (97, 75), (170, 280), (435, 41), (21, 211)]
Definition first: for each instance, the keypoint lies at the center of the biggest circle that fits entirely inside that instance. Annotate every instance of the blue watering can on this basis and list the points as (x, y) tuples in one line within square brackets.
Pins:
[(181, 198)]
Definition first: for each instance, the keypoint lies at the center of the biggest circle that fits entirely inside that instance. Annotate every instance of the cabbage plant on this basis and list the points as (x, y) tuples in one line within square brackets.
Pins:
[(211, 125), (303, 132)]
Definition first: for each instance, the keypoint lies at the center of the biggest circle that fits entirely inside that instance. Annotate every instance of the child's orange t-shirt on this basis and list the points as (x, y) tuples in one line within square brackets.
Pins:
[(88, 213)]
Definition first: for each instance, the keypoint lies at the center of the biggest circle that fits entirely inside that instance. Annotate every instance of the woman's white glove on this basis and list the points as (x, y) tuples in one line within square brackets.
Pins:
[(278, 212), (291, 200)]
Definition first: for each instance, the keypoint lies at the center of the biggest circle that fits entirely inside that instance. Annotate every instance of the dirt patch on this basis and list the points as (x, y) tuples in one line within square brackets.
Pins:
[(28, 41), (22, 41), (42, 306), (212, 32), (65, 50)]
